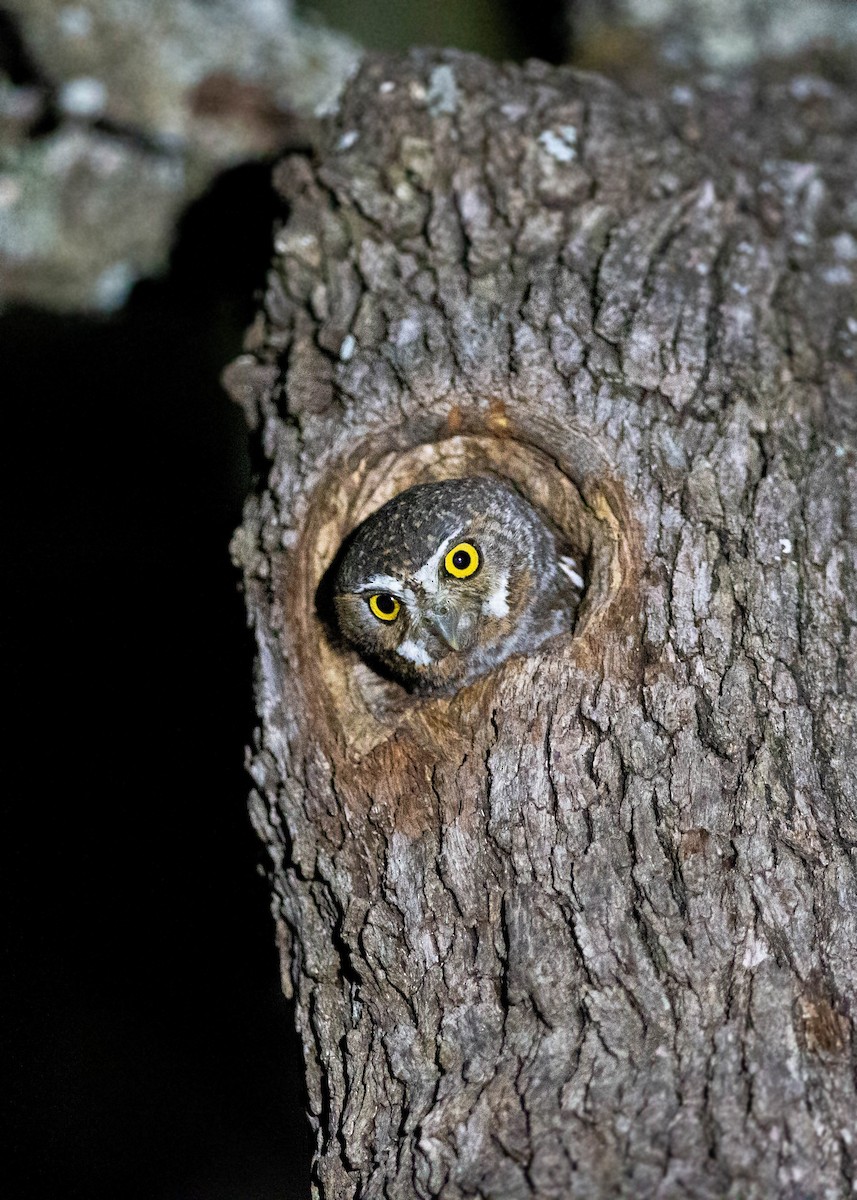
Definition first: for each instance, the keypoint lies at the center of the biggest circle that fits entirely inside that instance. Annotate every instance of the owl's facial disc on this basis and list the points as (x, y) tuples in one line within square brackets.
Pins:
[(448, 579), (426, 615), (439, 611)]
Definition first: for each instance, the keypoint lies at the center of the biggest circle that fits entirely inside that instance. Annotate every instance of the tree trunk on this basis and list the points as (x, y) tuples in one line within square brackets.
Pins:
[(587, 928)]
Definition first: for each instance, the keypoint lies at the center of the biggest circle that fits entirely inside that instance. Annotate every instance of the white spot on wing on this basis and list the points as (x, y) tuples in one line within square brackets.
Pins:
[(568, 568), (497, 604), (414, 652)]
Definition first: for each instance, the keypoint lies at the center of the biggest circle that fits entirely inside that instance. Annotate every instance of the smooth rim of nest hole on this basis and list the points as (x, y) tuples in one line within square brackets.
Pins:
[(463, 455)]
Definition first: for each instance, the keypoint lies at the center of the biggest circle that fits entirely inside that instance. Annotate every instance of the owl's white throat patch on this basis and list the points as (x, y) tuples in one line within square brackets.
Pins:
[(497, 604), (414, 652)]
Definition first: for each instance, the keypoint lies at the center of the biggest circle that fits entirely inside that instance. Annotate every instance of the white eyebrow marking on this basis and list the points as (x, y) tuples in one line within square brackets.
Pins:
[(383, 583), (426, 576), (567, 565), (387, 583), (414, 652), (497, 604)]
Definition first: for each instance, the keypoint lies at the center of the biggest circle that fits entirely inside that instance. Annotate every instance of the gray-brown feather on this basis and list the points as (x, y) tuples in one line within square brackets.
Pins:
[(524, 591)]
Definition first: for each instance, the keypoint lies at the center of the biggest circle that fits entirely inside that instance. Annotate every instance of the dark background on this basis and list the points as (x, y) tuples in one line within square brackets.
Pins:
[(152, 1053)]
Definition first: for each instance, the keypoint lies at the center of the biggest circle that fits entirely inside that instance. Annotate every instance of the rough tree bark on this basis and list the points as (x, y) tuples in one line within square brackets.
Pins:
[(589, 927)]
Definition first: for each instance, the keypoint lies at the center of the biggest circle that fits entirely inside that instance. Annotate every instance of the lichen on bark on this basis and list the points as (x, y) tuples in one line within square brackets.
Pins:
[(589, 927)]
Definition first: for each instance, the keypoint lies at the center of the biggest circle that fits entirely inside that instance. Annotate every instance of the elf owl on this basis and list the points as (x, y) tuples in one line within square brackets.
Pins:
[(448, 579)]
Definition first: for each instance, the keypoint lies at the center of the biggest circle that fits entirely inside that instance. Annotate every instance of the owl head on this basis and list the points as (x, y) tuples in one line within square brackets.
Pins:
[(447, 579)]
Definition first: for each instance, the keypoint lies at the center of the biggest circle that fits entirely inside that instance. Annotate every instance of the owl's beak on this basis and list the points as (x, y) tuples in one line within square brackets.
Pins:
[(447, 624)]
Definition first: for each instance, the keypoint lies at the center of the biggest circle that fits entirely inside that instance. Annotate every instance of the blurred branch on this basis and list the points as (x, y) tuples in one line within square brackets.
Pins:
[(640, 40), (114, 116)]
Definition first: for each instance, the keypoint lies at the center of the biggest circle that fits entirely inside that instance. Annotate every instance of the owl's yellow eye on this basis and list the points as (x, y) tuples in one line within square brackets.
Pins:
[(384, 606), (462, 560)]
